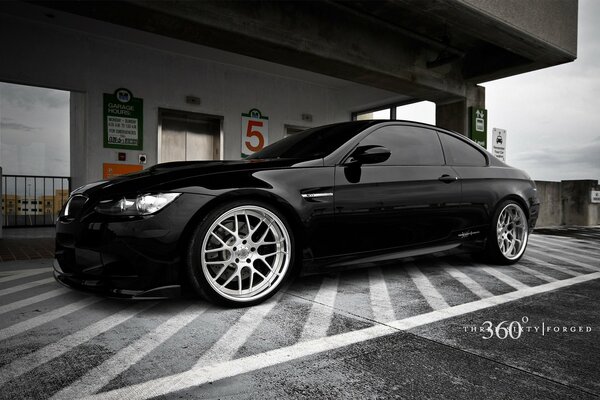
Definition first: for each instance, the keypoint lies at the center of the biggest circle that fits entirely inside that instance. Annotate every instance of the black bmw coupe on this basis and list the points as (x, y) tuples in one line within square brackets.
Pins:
[(354, 193)]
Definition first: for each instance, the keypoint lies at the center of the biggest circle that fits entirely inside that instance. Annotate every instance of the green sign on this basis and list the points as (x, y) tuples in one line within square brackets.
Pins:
[(123, 120), (478, 126)]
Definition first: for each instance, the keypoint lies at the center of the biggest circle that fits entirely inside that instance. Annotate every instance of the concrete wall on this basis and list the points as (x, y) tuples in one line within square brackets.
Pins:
[(163, 72), (568, 203)]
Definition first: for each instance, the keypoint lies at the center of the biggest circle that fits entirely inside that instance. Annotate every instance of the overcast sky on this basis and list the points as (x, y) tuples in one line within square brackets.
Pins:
[(552, 117)]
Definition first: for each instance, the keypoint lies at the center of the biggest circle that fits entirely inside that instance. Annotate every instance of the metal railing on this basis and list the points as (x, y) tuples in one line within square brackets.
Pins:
[(33, 200)]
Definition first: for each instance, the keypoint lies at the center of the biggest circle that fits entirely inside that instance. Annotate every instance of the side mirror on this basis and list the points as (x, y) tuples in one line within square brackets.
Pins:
[(370, 155)]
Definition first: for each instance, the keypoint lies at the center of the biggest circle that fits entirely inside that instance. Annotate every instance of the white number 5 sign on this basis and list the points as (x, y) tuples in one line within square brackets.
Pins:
[(255, 132)]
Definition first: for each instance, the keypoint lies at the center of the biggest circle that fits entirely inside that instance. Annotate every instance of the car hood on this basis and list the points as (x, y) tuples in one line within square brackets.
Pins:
[(177, 174)]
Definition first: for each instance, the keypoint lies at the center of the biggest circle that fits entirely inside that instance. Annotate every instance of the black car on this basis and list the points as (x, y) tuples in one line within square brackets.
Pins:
[(354, 193)]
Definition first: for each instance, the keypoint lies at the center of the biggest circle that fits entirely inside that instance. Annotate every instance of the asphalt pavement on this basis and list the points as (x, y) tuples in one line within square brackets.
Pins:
[(439, 326)]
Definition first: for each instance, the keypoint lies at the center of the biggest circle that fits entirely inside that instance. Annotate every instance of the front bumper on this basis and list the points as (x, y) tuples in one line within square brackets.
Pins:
[(126, 256)]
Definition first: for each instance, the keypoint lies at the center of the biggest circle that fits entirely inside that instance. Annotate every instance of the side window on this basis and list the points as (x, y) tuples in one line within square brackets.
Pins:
[(459, 153), (409, 145)]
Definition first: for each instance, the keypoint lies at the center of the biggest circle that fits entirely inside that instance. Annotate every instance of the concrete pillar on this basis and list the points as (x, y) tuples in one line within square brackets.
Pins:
[(454, 114)]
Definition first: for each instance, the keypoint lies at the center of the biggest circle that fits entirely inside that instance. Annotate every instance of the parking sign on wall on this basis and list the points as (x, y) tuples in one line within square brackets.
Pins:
[(255, 132), (499, 143)]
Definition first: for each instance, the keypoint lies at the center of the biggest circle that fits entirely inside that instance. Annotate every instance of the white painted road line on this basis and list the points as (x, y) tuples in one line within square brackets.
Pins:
[(587, 254), (46, 317), (25, 286), (582, 246), (100, 376), (381, 304), (56, 349), (229, 344), (535, 273), (545, 264), (204, 374), (515, 284), (32, 300), (467, 281), (568, 260), (12, 275), (321, 312), (429, 292)]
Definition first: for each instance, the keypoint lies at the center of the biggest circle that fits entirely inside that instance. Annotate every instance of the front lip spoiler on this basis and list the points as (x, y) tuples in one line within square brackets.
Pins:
[(102, 287)]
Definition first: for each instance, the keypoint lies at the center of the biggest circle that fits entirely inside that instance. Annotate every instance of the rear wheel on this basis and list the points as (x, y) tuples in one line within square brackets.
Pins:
[(241, 254), (508, 234)]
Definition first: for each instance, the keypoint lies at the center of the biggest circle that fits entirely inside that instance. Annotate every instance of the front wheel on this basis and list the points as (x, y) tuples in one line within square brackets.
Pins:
[(508, 234), (241, 254)]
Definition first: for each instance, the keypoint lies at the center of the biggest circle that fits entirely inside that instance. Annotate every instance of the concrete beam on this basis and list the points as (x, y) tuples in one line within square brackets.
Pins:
[(322, 37)]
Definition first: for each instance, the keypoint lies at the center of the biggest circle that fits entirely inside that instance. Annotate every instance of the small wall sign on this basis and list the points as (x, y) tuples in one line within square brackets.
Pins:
[(109, 170), (499, 143), (255, 132), (478, 126), (595, 196), (123, 120)]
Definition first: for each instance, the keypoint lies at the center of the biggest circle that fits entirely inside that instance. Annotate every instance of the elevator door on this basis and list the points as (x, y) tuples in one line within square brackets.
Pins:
[(188, 136)]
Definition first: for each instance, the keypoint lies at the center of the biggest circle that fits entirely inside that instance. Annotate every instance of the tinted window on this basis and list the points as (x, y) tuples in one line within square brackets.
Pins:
[(409, 145), (313, 143), (458, 152)]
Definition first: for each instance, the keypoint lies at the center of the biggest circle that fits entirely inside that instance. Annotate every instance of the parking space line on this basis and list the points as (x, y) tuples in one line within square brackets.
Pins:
[(101, 375), (537, 274), (568, 260), (546, 264), (429, 292), (12, 275), (515, 284), (466, 280), (25, 286), (32, 300), (381, 304), (321, 312), (46, 317), (229, 344), (200, 375), (50, 352), (594, 255)]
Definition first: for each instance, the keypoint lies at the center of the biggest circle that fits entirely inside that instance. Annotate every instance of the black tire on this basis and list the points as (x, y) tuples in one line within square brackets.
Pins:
[(516, 232), (204, 277)]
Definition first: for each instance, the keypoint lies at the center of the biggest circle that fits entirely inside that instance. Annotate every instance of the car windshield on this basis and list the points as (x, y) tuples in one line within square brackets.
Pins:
[(313, 143)]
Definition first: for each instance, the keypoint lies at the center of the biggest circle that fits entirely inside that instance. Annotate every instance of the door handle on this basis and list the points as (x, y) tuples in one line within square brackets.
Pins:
[(448, 178)]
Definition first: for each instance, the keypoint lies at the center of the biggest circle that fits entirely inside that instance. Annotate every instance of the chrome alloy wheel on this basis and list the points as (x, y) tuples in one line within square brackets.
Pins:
[(246, 253), (512, 231)]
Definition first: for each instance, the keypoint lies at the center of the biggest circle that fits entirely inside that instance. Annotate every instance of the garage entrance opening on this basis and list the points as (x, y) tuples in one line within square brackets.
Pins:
[(35, 125), (185, 136)]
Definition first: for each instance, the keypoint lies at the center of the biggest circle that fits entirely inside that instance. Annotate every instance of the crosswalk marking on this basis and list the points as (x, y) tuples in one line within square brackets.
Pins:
[(381, 304), (27, 285), (515, 284), (568, 260), (321, 312), (56, 349), (467, 281), (100, 376), (47, 317), (429, 292), (8, 276), (32, 300), (595, 256), (545, 264), (202, 374), (229, 344), (564, 242), (537, 274)]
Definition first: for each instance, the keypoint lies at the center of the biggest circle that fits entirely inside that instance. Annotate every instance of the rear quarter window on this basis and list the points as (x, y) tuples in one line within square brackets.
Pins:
[(461, 153)]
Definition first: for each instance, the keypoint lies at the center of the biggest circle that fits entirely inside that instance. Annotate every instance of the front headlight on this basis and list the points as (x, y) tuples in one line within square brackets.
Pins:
[(144, 204)]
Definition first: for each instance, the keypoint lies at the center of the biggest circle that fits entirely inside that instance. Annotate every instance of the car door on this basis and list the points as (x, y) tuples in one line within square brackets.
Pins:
[(471, 166), (410, 199)]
